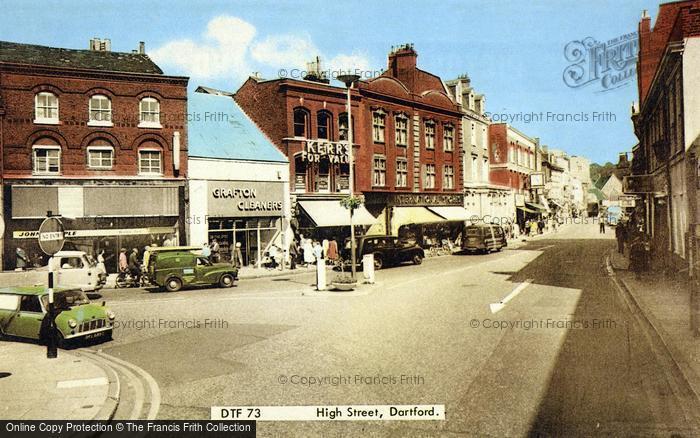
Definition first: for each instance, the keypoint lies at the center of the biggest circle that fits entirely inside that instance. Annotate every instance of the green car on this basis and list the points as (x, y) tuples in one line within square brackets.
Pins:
[(23, 311), (174, 269)]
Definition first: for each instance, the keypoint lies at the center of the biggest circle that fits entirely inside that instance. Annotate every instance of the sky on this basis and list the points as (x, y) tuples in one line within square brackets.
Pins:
[(513, 51)]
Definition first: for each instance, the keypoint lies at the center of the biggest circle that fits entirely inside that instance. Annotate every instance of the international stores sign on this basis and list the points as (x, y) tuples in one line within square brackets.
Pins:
[(245, 198)]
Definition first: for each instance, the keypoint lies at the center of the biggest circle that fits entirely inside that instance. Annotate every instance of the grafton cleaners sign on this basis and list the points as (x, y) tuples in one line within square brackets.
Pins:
[(245, 198), (316, 150)]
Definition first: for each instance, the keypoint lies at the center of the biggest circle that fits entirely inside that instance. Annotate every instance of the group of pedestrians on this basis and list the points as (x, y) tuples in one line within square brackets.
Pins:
[(308, 251)]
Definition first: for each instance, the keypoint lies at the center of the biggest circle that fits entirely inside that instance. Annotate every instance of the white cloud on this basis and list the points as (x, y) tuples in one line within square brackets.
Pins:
[(289, 51), (222, 53), (229, 49)]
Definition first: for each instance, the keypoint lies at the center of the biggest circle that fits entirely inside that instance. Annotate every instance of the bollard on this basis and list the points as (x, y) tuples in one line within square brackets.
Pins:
[(368, 268), (320, 273)]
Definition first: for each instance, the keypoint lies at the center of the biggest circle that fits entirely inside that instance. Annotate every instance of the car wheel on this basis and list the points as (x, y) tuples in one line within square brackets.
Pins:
[(173, 284), (226, 280), (417, 259), (378, 262)]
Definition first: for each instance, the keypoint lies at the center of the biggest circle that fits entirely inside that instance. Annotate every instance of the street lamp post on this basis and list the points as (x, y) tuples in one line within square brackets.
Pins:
[(349, 79)]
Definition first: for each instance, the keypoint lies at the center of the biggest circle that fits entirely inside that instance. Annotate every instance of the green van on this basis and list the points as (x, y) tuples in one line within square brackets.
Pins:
[(23, 311), (174, 269)]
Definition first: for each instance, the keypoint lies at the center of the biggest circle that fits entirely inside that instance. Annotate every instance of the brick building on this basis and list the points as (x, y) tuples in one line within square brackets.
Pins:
[(406, 133), (665, 165), (96, 136), (514, 157)]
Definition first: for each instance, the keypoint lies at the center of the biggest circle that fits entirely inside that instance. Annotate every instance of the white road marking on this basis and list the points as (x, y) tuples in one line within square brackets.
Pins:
[(497, 307), (97, 381)]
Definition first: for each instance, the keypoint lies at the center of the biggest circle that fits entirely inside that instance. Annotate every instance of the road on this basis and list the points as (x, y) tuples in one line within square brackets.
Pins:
[(564, 355)]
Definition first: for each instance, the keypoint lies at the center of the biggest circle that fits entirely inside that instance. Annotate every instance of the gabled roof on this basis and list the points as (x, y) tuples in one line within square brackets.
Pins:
[(218, 128), (31, 54)]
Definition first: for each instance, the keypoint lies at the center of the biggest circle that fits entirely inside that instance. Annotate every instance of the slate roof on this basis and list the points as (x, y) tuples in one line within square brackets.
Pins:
[(86, 59), (218, 128)]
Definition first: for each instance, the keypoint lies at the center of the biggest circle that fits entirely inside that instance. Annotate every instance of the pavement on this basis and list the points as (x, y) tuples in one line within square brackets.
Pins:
[(70, 387), (665, 303)]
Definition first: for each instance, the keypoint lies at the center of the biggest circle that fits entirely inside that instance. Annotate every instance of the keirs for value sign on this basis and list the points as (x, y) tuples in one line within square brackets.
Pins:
[(245, 198)]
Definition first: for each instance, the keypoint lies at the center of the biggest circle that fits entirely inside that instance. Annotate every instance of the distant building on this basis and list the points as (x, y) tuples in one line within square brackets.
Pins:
[(514, 157), (482, 198)]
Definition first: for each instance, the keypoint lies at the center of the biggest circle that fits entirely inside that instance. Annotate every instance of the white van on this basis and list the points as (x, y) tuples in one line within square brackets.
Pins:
[(75, 269)]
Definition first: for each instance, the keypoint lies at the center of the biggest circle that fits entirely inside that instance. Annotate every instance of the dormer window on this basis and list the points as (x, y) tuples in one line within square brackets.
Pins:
[(46, 108)]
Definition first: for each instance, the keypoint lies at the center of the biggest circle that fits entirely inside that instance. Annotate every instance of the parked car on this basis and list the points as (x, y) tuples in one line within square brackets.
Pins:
[(187, 267), (23, 313), (74, 269), (483, 237), (387, 250)]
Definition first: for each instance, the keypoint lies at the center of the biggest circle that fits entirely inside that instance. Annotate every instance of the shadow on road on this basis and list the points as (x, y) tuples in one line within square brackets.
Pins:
[(606, 379)]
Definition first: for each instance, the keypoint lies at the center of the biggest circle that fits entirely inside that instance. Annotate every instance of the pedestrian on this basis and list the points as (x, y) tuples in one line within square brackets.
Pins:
[(317, 251), (134, 264), (540, 226), (101, 270), (215, 251), (535, 226), (22, 260), (601, 223), (272, 252), (293, 254), (123, 261), (621, 236), (324, 245), (527, 227), (332, 253), (206, 251), (237, 256), (308, 252)]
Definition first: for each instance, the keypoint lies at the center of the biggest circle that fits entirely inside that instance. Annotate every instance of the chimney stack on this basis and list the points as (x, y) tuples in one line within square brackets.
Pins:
[(142, 48), (100, 45), (402, 59)]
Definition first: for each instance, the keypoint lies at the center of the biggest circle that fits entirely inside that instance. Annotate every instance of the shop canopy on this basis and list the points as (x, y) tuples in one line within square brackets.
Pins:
[(332, 214), (539, 208), (452, 213), (528, 210), (415, 215), (545, 204)]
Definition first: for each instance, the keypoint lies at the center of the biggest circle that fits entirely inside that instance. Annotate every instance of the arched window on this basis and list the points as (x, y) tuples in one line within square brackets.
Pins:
[(46, 157), (150, 159), (46, 108), (301, 122), (299, 173), (100, 155), (324, 125), (149, 113), (100, 110), (343, 127)]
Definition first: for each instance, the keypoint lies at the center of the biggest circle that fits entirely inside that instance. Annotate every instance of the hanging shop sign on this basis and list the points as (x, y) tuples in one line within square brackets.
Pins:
[(245, 198), (334, 151)]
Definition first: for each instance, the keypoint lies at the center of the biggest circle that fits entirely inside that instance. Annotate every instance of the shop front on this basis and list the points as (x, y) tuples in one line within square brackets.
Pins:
[(96, 218), (253, 214), (428, 219)]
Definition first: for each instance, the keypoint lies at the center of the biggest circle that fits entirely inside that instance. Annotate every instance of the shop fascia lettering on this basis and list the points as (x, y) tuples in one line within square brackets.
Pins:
[(335, 152), (248, 201)]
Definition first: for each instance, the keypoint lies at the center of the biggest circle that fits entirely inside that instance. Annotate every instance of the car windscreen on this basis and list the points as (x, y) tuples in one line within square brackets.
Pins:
[(473, 232), (67, 299)]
